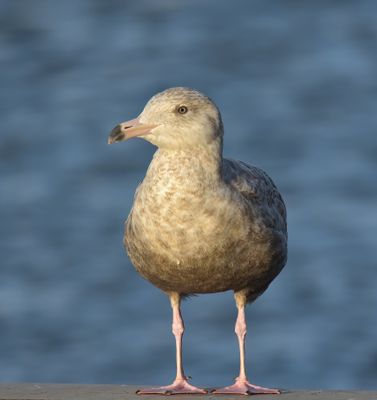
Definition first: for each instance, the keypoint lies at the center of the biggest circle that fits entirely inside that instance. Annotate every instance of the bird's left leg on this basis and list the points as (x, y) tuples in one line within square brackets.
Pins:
[(180, 384), (242, 385)]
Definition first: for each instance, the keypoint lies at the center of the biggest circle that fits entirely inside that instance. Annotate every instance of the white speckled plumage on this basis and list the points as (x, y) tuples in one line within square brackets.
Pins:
[(201, 223)]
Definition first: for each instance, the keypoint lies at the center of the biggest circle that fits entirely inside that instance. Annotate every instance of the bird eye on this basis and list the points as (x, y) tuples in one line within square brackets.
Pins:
[(182, 109)]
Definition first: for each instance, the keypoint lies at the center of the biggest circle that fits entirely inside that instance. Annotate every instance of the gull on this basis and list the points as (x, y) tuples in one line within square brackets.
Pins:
[(201, 223)]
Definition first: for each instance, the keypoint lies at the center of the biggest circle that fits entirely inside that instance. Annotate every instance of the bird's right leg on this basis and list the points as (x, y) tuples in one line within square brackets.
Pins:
[(180, 384)]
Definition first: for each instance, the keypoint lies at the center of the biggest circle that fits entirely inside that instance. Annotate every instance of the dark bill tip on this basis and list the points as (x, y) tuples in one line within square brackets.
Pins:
[(116, 135)]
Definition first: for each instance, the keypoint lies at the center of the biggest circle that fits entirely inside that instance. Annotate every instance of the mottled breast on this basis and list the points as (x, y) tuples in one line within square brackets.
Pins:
[(192, 236)]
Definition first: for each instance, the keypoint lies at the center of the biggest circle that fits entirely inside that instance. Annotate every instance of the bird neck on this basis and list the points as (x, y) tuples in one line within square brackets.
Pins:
[(197, 163)]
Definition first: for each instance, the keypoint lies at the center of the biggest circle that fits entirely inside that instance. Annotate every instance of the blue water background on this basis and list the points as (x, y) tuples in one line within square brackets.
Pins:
[(296, 83)]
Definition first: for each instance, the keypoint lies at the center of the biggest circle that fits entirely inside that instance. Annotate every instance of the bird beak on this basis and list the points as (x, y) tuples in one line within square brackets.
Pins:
[(129, 129)]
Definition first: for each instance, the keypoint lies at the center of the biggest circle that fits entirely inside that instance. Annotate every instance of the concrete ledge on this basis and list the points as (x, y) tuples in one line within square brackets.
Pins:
[(30, 391)]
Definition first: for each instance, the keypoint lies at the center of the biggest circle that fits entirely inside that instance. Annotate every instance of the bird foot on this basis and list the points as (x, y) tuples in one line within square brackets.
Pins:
[(246, 388), (179, 386)]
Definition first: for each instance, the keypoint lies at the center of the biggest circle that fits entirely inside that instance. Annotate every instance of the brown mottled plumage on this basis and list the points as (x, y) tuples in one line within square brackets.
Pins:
[(201, 223)]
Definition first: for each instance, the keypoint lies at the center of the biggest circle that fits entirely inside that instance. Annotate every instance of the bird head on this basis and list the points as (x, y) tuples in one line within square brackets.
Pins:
[(175, 118)]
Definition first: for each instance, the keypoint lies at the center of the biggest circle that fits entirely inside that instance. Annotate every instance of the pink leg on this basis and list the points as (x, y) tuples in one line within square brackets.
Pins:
[(242, 385), (180, 384)]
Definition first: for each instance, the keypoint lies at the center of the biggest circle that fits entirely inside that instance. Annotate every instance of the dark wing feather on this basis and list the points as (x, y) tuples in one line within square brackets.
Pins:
[(256, 187)]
